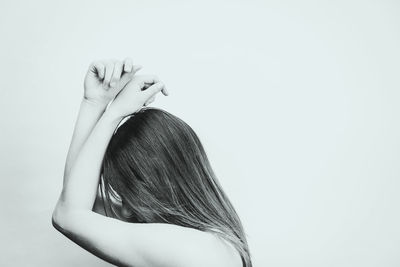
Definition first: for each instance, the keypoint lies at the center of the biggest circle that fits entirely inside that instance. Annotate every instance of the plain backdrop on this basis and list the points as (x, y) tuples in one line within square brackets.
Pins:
[(296, 103)]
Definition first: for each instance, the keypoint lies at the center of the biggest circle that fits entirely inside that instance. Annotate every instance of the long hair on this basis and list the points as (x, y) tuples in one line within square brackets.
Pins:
[(156, 165)]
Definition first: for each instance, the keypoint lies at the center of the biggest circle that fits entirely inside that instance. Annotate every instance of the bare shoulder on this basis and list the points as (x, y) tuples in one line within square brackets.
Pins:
[(144, 244), (183, 246)]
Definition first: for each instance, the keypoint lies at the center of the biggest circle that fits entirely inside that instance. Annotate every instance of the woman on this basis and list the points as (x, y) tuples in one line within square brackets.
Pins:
[(163, 204)]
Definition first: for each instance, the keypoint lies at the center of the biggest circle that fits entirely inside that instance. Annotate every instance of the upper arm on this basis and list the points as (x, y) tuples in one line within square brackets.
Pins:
[(140, 245)]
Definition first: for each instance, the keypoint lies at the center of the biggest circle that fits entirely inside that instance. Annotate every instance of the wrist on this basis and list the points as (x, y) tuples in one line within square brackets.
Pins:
[(96, 105), (114, 111), (111, 115)]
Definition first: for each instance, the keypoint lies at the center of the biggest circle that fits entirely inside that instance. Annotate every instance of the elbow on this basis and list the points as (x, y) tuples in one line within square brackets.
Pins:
[(58, 219), (55, 221), (64, 218)]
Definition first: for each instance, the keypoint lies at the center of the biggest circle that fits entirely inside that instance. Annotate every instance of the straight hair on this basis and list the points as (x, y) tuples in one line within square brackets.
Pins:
[(156, 165)]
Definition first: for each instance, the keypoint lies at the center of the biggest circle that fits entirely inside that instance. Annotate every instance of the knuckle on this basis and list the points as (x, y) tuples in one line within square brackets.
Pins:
[(95, 64)]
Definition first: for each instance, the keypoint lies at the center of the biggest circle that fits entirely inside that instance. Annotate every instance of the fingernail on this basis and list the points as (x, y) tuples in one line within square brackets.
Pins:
[(165, 91), (112, 84)]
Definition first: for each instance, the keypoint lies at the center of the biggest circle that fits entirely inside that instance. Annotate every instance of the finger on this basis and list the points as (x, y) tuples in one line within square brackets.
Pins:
[(136, 68), (164, 91), (147, 80), (151, 100), (99, 69), (128, 76), (128, 65), (153, 90), (146, 85), (108, 74), (116, 74), (96, 69)]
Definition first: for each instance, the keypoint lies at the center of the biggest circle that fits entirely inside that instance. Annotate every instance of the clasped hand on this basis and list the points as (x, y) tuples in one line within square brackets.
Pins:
[(116, 81)]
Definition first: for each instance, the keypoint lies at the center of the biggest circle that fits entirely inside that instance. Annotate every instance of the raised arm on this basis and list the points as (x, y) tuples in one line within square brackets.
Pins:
[(73, 214), (102, 83), (103, 80)]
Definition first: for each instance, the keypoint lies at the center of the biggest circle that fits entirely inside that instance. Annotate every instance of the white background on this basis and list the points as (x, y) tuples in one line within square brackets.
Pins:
[(296, 102)]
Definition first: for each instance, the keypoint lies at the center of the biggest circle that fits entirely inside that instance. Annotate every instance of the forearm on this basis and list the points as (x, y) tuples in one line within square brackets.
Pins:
[(89, 114), (81, 182)]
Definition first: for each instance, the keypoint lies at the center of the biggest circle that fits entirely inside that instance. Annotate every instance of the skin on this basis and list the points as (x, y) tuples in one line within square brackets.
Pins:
[(122, 243)]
